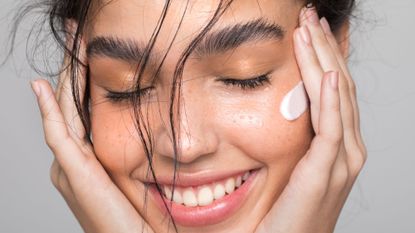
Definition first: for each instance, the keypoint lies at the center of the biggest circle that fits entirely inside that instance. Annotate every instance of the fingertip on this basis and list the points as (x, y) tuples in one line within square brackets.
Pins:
[(45, 98), (325, 25), (40, 86), (36, 88), (45, 85)]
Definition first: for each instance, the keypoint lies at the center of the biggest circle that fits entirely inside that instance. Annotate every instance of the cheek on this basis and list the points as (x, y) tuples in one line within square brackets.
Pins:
[(265, 135), (115, 140), (256, 126)]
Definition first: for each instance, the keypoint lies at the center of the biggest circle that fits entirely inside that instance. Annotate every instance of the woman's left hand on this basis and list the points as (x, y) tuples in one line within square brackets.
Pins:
[(320, 183)]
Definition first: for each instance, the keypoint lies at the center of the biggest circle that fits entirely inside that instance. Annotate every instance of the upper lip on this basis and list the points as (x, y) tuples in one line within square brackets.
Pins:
[(194, 179)]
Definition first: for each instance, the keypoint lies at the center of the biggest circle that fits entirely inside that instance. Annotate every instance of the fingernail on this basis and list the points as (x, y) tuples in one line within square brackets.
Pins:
[(305, 35), (36, 88), (325, 25), (334, 79), (312, 17)]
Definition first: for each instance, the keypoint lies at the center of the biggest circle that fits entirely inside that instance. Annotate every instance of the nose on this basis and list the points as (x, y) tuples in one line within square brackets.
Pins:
[(193, 126)]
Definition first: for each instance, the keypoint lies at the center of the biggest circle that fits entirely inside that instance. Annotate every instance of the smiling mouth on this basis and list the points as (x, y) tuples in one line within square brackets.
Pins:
[(205, 204), (204, 195)]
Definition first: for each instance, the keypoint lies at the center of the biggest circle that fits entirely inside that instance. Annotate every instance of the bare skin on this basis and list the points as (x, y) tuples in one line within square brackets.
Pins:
[(303, 181)]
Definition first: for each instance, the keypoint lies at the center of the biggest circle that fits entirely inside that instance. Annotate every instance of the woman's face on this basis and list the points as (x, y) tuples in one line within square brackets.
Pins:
[(226, 128)]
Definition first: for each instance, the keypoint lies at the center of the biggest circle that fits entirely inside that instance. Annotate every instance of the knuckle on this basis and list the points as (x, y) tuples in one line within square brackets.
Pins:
[(335, 137), (321, 39), (345, 83), (310, 180), (56, 141), (54, 177), (358, 161), (61, 183), (50, 142), (331, 38), (53, 144), (47, 107), (333, 107), (54, 180), (86, 149), (330, 106), (340, 177), (364, 155), (352, 87)]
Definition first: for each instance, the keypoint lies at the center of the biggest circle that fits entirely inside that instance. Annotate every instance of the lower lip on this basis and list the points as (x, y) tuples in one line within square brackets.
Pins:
[(211, 214)]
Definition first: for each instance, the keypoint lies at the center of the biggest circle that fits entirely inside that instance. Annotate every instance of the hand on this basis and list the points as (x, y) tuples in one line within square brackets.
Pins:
[(94, 199), (320, 183)]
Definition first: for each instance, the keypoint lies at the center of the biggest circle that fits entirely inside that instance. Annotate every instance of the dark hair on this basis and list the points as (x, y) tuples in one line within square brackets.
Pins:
[(57, 12)]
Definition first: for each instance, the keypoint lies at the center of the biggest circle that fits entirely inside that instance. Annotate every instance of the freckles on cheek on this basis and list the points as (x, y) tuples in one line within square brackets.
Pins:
[(267, 139), (262, 132), (115, 142)]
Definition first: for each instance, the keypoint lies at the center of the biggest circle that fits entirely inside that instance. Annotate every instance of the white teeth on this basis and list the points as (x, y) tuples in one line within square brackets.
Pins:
[(238, 181), (177, 197), (189, 198), (167, 192), (230, 185), (245, 177), (219, 191), (205, 196)]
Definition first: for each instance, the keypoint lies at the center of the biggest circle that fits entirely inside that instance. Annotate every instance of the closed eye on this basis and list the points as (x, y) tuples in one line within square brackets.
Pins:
[(115, 96), (247, 84), (244, 84)]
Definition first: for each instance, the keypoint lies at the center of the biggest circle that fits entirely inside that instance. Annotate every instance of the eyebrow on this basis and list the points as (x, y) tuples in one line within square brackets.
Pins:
[(216, 42)]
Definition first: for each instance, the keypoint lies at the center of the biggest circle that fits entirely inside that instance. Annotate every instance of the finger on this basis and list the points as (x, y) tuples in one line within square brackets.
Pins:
[(67, 103), (339, 178), (55, 171), (70, 27), (328, 61), (62, 184), (66, 151), (310, 70), (352, 87), (325, 146), (68, 85)]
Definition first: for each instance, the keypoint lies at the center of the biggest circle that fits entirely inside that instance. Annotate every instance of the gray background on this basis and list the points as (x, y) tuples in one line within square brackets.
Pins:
[(382, 63)]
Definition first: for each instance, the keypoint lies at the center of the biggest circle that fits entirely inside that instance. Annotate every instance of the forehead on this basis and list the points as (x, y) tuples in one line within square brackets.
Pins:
[(138, 19)]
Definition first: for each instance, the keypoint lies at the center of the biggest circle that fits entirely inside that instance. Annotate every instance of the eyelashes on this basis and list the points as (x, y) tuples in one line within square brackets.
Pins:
[(242, 84), (116, 97), (246, 84)]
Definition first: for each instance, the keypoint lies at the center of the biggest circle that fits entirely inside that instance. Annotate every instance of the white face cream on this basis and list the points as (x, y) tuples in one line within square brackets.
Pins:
[(294, 103)]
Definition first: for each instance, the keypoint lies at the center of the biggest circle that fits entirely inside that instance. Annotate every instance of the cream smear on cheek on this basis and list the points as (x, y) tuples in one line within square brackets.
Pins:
[(294, 103)]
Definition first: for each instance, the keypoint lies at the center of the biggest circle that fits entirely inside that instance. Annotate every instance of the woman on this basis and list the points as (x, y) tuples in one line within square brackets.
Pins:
[(191, 116)]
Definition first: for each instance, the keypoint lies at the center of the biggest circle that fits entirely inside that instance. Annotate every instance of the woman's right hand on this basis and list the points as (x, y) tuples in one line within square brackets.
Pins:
[(320, 183), (94, 199)]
